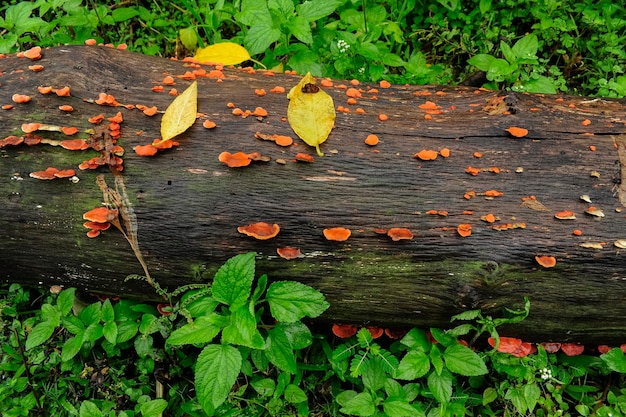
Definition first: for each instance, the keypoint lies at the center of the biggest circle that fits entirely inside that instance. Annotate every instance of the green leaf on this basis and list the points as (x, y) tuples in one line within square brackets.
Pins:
[(109, 330), (260, 36), (531, 395), (301, 29), (398, 408), (93, 332), (91, 314), (143, 345), (290, 301), (415, 364), (499, 69), (51, 314), (516, 396), (299, 335), (615, 360), (122, 14), (543, 85), (260, 288), (89, 409), (361, 404), (71, 347), (443, 337), (153, 408), (392, 60), (466, 315), (39, 334), (72, 324), (216, 371), (108, 314), (440, 385), (126, 330), (294, 394), (264, 387), (233, 281), (436, 359), (526, 48), (285, 7), (489, 395), (202, 330), (242, 330), (279, 350), (203, 306), (416, 339), (313, 10), (484, 6), (65, 301), (253, 11), (189, 38), (481, 61), (373, 374), (464, 361)]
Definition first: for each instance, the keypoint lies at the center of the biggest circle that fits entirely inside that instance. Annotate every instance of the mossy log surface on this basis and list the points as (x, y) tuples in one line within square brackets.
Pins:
[(188, 205)]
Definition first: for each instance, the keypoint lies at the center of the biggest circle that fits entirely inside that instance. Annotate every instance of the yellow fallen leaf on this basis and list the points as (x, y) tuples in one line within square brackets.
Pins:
[(311, 112), (180, 114), (225, 53)]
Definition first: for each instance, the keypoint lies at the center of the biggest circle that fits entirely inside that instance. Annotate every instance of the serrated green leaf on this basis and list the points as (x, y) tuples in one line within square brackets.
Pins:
[(233, 281), (464, 361), (126, 330), (526, 47), (72, 324), (361, 404), (253, 11), (109, 331), (202, 330), (93, 332), (122, 14), (108, 314), (615, 360), (143, 345), (442, 337), (242, 329), (89, 409), (260, 288), (415, 364), (260, 36), (264, 386), (398, 408), (216, 371), (416, 339), (466, 315), (436, 360), (39, 334), (298, 333), (301, 29), (489, 395), (440, 385), (91, 314), (65, 301), (279, 351), (313, 10), (180, 114), (71, 347), (153, 408), (294, 394), (373, 375), (481, 61), (51, 314), (290, 301), (392, 60)]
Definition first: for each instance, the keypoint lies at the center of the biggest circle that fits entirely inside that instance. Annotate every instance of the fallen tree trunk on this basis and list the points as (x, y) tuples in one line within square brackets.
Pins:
[(188, 205)]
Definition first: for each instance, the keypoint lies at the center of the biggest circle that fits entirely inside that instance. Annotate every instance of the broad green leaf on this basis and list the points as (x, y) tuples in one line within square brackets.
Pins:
[(260, 36), (311, 112), (89, 409), (416, 339), (440, 385), (39, 334), (242, 330), (361, 404), (203, 306), (516, 396), (464, 361), (313, 10), (153, 408), (93, 332), (531, 393), (126, 330), (279, 351), (615, 360), (507, 52), (91, 314), (373, 374), (294, 394), (216, 371), (225, 53), (394, 389), (290, 301), (442, 337), (71, 347), (415, 364), (144, 345), (72, 324), (108, 314), (301, 29), (298, 333), (436, 360), (264, 387), (189, 38), (526, 47), (253, 11), (398, 408), (499, 69), (542, 84), (65, 301), (51, 314), (109, 331), (260, 288), (180, 114), (121, 14), (489, 395), (392, 60), (202, 330), (481, 61), (233, 281)]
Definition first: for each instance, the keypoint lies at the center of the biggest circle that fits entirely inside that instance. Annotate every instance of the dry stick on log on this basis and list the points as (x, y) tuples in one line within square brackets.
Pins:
[(189, 205)]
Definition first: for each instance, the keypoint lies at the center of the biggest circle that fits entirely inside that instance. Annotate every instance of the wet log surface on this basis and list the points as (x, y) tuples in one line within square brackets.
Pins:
[(188, 205)]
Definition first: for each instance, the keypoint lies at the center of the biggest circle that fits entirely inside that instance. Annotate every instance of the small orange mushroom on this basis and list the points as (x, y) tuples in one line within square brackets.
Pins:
[(47, 174), (150, 111), (260, 230), (44, 90), (445, 152), (97, 226), (35, 68), (338, 234), (20, 98), (371, 140), (304, 157), (517, 132), (399, 233), (426, 155), (546, 261), (63, 92), (65, 173), (565, 215), (464, 229), (288, 253), (30, 127), (384, 84), (383, 117), (100, 215), (208, 124), (235, 160), (74, 144), (33, 53), (376, 332), (69, 130), (146, 150), (66, 107)]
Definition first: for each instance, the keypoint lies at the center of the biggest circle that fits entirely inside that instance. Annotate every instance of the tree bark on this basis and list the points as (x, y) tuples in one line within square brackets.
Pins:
[(188, 205)]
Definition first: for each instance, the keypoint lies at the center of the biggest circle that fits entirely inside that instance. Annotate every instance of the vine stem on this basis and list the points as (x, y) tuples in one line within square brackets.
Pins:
[(29, 377)]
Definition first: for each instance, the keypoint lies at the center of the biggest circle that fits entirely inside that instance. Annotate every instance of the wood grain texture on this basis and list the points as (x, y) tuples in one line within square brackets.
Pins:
[(189, 205)]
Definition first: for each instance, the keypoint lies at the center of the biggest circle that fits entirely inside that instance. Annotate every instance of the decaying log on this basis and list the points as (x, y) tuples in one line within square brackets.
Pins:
[(188, 205)]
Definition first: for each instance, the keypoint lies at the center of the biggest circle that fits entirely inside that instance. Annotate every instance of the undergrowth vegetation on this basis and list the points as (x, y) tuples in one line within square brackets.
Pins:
[(543, 46), (238, 346)]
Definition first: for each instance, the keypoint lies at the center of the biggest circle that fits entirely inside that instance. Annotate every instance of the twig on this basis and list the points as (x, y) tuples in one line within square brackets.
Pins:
[(27, 370)]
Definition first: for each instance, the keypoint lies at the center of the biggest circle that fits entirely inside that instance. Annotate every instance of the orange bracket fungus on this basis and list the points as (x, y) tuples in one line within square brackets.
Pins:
[(399, 233), (260, 230), (338, 234), (235, 160), (464, 229), (517, 132), (344, 331), (546, 261), (288, 253), (565, 215), (426, 155), (100, 215)]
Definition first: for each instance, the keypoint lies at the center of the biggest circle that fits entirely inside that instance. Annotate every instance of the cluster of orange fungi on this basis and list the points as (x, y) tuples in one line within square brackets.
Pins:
[(517, 347), (98, 220), (345, 331)]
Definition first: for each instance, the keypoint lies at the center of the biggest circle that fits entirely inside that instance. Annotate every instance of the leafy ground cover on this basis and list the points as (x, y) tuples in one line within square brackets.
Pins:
[(239, 346), (530, 45)]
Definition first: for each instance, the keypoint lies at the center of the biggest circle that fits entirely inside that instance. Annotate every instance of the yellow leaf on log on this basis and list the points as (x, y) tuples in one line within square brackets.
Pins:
[(225, 53), (180, 114), (311, 112)]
